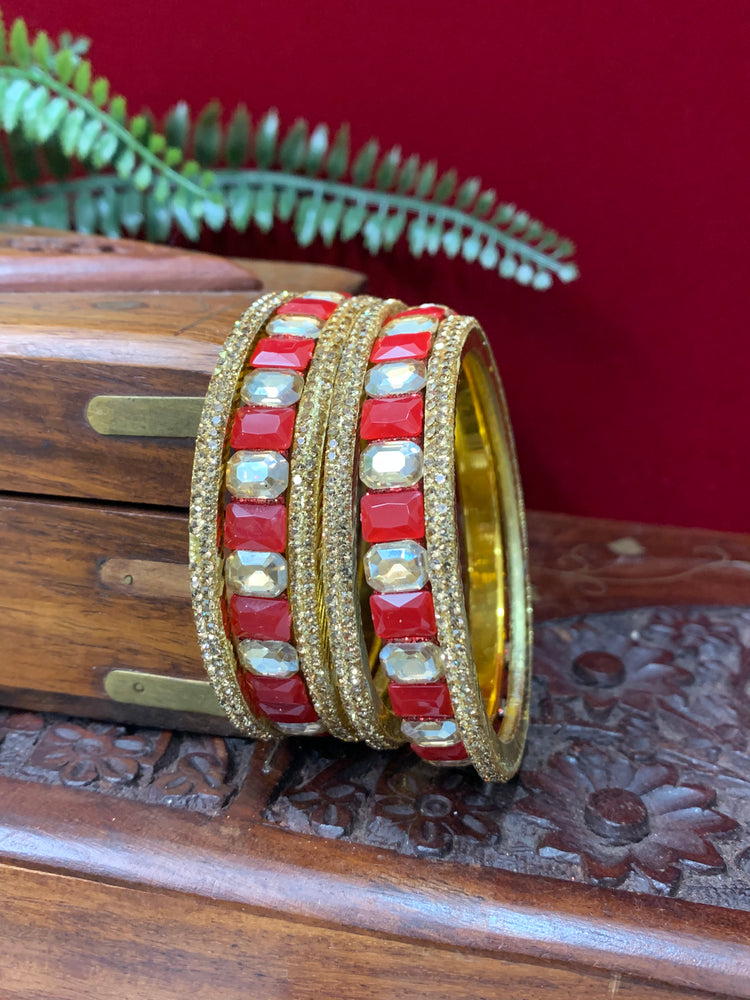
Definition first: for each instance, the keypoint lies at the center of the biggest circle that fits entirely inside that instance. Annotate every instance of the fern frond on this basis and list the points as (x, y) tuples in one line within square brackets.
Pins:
[(135, 178)]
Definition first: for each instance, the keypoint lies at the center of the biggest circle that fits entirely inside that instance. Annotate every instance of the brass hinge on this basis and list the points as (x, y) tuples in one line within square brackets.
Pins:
[(178, 694)]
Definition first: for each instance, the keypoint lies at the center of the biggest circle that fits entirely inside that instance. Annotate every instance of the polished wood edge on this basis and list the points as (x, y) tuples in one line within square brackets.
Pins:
[(684, 944)]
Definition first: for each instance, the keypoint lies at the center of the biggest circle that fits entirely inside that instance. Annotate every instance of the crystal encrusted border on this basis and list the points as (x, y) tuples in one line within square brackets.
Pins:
[(308, 564), (488, 754), (349, 658), (206, 514)]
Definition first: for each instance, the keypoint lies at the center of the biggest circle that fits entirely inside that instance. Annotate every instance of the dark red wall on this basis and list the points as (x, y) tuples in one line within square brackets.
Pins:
[(624, 125)]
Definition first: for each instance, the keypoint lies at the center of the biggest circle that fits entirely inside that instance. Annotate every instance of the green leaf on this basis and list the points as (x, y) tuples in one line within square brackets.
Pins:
[(100, 92), (172, 156), (263, 209), (55, 213), (41, 49), (71, 131), (393, 228), (51, 118), (352, 222), (142, 177), (542, 281), (238, 139), (157, 143), (177, 126), (215, 213), (82, 77), (108, 213), (131, 211), (330, 220), (139, 126), (372, 232), (317, 147), (471, 247), (183, 216), (20, 50), (385, 175), (508, 266), (158, 220), (364, 162), (293, 150), (32, 109), (84, 213), (489, 256), (306, 221), (408, 175), (3, 41), (417, 235), (15, 95), (445, 187), (162, 190), (467, 193), (65, 66), (118, 109), (434, 237), (426, 179), (241, 207), (207, 136), (266, 139), (484, 203), (286, 204), (452, 241), (338, 158), (125, 164), (89, 134)]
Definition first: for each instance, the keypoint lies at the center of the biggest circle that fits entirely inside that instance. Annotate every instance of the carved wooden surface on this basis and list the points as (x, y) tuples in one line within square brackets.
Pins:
[(637, 773)]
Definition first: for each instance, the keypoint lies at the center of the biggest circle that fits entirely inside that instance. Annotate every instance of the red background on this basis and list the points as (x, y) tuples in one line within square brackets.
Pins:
[(623, 125)]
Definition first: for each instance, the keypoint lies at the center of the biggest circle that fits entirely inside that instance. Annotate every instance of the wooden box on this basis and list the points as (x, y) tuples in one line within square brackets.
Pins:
[(146, 852)]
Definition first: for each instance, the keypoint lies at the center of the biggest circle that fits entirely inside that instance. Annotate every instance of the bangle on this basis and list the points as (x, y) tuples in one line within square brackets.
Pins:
[(441, 493), (254, 569)]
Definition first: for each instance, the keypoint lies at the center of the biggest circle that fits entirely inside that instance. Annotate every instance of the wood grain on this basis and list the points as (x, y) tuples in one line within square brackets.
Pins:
[(78, 939)]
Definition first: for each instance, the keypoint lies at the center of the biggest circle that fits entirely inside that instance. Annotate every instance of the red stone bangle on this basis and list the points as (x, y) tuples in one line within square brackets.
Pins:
[(275, 395)]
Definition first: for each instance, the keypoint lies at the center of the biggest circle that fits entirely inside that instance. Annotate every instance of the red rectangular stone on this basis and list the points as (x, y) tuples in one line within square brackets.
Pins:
[(259, 527), (438, 312), (402, 346), (455, 752), (289, 713), (389, 516), (404, 616), (392, 417), (279, 691), (319, 308), (416, 701), (283, 352), (263, 427), (260, 618)]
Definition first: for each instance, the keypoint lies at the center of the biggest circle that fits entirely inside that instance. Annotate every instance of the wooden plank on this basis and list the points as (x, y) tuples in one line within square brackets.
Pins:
[(80, 939), (367, 907)]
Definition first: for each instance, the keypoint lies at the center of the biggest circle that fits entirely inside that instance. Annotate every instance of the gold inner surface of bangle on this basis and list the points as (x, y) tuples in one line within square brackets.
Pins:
[(478, 459)]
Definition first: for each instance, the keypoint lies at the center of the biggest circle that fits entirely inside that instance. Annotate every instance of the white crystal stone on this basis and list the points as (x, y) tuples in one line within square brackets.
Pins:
[(322, 296), (391, 567), (412, 662), (256, 574), (394, 378), (268, 658), (411, 324), (442, 733), (294, 326), (302, 728), (271, 387), (384, 465), (257, 475)]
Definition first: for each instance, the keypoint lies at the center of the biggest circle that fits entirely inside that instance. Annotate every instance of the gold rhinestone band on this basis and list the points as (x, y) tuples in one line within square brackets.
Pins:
[(369, 716), (207, 512), (309, 565), (461, 348)]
